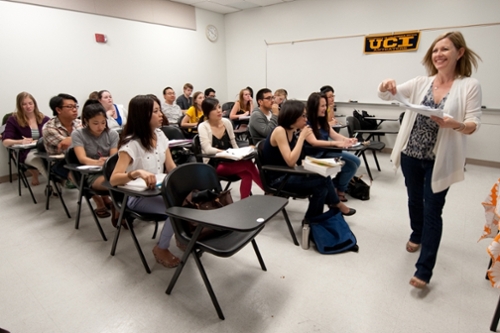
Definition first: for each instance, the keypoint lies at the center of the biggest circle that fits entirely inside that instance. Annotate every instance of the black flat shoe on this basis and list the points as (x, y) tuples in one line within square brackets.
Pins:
[(351, 212)]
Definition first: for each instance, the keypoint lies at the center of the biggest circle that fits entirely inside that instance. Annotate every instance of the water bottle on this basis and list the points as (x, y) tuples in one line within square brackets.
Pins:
[(305, 236)]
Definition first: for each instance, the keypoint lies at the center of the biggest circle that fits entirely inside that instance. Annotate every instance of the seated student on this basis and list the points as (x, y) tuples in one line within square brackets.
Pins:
[(243, 106), (170, 110), (209, 92), (93, 144), (57, 131), (264, 118), (280, 97), (194, 113), (143, 152), (283, 147), (216, 134), (117, 115), (321, 132), (185, 100), (24, 126), (330, 96)]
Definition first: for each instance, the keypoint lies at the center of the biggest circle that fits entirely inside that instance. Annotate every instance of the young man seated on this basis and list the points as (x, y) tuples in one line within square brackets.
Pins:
[(264, 118)]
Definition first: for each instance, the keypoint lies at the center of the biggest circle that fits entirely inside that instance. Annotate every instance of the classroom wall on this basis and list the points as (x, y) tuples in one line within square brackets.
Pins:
[(248, 31), (46, 51)]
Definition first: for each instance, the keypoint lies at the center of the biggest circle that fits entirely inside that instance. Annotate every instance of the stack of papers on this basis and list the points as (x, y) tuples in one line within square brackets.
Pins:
[(323, 166), (89, 167), (179, 142), (140, 185), (28, 145), (422, 109), (235, 154)]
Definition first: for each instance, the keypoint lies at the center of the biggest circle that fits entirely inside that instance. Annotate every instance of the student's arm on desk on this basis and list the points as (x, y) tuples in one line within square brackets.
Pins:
[(121, 177)]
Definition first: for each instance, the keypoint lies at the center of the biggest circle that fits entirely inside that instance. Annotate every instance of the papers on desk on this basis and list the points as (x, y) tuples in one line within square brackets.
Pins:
[(243, 117), (140, 185), (235, 154), (89, 167), (181, 142), (57, 156), (28, 145), (422, 109), (323, 166)]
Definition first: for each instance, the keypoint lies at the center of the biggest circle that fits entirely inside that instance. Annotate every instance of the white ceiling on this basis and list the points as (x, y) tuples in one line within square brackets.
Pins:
[(230, 6)]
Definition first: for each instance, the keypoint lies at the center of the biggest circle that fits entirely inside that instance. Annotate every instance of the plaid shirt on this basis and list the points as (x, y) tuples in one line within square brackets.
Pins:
[(54, 132)]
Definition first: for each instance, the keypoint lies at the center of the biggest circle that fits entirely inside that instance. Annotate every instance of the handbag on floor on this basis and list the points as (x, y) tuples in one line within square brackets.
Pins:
[(358, 189), (206, 200), (331, 234)]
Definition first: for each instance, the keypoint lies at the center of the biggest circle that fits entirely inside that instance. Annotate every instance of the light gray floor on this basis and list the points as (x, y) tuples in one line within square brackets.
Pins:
[(54, 278)]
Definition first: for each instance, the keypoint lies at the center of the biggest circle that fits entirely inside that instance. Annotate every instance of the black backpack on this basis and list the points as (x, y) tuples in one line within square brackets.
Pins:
[(366, 124)]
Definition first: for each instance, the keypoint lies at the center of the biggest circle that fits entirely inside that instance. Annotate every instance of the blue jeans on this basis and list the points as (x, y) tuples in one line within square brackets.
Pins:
[(349, 169), (320, 190), (425, 208), (154, 205)]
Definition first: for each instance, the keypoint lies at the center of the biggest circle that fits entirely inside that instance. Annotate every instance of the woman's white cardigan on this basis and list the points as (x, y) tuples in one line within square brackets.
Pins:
[(463, 104), (205, 133)]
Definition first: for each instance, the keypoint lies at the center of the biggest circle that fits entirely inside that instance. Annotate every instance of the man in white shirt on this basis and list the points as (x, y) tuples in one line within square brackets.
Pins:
[(172, 111)]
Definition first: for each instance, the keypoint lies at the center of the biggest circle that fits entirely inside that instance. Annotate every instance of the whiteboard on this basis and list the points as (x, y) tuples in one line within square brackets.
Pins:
[(304, 67)]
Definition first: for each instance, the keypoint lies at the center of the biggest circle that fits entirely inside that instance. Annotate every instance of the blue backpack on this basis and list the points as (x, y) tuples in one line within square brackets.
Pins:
[(331, 234)]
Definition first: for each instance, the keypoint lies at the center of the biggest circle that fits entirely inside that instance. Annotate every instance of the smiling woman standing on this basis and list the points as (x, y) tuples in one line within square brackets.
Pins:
[(431, 150)]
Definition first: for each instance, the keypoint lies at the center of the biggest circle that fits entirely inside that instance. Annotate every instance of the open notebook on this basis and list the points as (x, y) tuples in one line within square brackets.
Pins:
[(235, 154), (140, 185)]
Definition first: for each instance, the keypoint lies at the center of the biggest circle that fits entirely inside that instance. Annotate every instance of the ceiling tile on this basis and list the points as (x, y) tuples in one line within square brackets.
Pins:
[(214, 7)]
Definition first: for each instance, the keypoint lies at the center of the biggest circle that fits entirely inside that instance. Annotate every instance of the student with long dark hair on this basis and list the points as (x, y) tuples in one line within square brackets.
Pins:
[(284, 147), (93, 144), (321, 133), (143, 153), (216, 134)]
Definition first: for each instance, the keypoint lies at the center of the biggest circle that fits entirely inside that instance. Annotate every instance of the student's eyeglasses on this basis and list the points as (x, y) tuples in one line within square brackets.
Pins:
[(269, 98), (74, 106)]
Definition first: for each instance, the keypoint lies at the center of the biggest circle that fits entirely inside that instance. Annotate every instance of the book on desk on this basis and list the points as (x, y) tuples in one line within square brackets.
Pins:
[(323, 166), (235, 154)]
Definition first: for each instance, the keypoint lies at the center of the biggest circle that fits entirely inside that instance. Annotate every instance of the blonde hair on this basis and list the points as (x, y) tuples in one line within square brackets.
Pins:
[(245, 106), (464, 64), (19, 114)]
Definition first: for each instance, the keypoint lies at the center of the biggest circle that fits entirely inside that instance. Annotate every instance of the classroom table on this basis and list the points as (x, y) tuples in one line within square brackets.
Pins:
[(16, 150)]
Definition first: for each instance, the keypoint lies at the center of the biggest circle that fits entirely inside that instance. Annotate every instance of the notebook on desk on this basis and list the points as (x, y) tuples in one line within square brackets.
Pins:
[(140, 185)]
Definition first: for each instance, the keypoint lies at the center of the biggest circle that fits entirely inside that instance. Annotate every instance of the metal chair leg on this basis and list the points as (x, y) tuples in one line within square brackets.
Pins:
[(96, 219), (290, 228), (496, 317), (208, 286), (257, 252)]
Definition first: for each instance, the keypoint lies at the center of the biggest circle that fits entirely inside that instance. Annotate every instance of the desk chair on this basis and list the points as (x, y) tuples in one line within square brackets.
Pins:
[(237, 224), (56, 180), (354, 129), (180, 155), (22, 168), (226, 109), (119, 197), (84, 190), (199, 158), (264, 171)]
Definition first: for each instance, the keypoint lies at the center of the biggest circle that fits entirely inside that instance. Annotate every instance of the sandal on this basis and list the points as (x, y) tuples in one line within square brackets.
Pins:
[(115, 215), (102, 212), (412, 247), (165, 257), (417, 283)]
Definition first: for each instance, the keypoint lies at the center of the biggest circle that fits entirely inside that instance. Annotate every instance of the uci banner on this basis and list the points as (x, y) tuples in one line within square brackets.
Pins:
[(392, 42)]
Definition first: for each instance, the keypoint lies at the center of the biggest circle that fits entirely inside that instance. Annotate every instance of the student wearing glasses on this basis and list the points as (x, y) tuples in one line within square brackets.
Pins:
[(57, 131), (264, 118)]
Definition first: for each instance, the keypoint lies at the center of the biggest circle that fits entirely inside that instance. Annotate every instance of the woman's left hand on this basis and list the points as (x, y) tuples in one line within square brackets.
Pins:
[(446, 122)]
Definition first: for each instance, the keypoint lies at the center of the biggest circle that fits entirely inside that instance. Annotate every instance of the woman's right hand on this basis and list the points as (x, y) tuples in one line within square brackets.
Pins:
[(305, 132), (388, 85), (26, 141), (148, 177)]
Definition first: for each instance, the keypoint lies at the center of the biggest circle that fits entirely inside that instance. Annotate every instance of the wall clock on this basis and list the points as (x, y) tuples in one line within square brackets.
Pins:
[(212, 33)]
